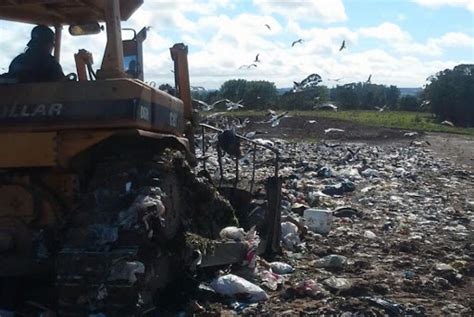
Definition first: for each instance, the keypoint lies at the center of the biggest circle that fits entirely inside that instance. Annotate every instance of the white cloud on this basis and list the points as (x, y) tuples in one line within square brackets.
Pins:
[(221, 39), (386, 31), (468, 4), (403, 43), (321, 10), (454, 39)]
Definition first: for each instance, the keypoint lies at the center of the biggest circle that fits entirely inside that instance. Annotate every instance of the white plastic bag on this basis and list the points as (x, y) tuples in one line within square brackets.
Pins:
[(232, 233), (289, 235), (231, 285), (281, 268)]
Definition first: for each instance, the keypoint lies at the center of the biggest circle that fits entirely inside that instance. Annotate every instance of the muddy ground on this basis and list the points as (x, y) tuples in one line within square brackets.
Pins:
[(409, 247)]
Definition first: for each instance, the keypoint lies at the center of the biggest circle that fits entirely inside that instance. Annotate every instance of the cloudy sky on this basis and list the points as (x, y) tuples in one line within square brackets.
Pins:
[(399, 42)]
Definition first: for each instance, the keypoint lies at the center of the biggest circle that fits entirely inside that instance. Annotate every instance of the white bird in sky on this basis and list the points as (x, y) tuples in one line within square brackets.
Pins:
[(343, 45), (300, 41)]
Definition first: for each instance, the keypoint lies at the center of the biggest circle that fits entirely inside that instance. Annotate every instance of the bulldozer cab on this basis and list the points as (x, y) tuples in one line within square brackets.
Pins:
[(114, 99), (133, 53)]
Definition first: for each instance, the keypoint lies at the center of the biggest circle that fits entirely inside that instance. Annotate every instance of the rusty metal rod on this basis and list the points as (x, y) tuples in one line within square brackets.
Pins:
[(253, 167), (203, 133), (236, 172)]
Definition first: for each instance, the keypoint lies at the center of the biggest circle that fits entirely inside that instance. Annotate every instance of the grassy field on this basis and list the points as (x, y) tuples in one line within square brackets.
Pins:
[(416, 121)]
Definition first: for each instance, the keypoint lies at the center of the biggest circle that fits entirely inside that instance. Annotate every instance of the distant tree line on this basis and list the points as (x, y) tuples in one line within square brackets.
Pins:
[(449, 95)]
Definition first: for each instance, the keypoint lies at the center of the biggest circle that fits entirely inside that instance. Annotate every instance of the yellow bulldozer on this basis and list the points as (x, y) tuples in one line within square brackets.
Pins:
[(97, 197)]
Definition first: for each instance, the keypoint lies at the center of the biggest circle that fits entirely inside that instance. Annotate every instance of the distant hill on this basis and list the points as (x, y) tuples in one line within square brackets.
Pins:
[(410, 91)]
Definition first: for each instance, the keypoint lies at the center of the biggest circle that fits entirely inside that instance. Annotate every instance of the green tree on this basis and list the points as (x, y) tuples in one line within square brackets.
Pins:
[(304, 100), (409, 103), (255, 94), (451, 94), (365, 96), (233, 89)]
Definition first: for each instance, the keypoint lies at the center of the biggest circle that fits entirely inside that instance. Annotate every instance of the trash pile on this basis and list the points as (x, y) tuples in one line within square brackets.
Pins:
[(381, 229)]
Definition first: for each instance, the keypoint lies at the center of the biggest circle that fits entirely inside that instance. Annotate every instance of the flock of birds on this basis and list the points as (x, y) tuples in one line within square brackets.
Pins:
[(228, 140)]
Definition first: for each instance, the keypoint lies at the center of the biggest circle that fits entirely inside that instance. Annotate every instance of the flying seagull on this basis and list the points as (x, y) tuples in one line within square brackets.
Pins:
[(368, 79), (275, 118), (425, 103), (343, 45), (268, 27), (296, 42), (449, 123), (309, 82), (256, 58), (233, 105), (248, 66), (381, 109), (208, 107)]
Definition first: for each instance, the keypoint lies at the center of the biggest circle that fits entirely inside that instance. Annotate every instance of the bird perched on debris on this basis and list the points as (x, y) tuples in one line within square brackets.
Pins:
[(229, 143), (300, 41), (343, 45)]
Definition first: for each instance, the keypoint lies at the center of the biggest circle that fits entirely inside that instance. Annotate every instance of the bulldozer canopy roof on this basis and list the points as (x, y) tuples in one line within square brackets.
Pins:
[(53, 12)]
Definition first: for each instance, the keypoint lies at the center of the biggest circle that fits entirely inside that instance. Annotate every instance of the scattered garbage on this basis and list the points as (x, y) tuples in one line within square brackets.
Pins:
[(369, 234), (391, 308), (400, 230), (234, 286), (339, 189), (270, 280), (337, 283), (331, 261), (318, 220), (309, 288), (347, 212)]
